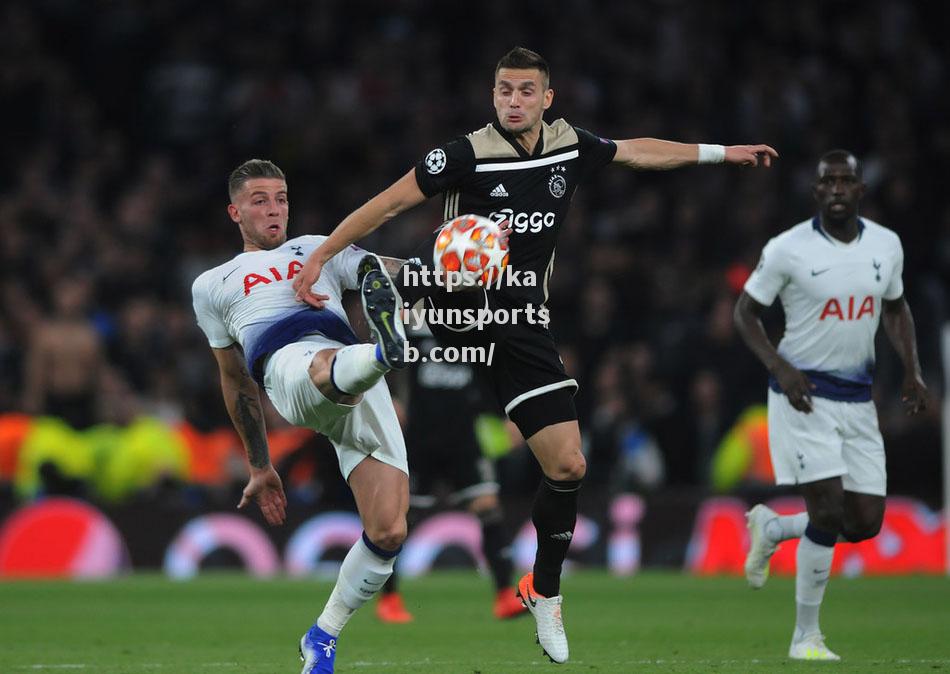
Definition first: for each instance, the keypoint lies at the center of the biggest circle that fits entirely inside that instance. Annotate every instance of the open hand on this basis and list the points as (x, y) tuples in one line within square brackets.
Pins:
[(266, 488), (303, 284), (914, 395)]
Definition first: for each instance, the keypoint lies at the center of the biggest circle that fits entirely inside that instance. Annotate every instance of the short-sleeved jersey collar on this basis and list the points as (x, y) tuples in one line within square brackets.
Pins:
[(816, 225), (538, 148)]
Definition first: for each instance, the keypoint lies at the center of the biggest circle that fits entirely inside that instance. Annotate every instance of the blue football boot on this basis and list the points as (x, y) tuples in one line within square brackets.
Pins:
[(318, 651)]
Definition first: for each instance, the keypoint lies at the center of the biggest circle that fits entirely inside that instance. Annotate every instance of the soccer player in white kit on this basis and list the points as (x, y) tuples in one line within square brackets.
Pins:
[(838, 276), (317, 375)]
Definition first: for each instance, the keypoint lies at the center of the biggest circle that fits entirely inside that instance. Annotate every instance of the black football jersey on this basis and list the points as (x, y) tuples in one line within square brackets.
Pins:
[(488, 173), (443, 397)]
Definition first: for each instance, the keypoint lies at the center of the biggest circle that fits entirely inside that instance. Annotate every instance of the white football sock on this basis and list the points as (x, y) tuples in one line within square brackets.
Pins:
[(362, 574), (812, 568), (355, 368), (786, 527)]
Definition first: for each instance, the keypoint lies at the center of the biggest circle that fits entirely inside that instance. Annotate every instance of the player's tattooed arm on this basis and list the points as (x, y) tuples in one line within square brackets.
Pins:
[(248, 410), (243, 401)]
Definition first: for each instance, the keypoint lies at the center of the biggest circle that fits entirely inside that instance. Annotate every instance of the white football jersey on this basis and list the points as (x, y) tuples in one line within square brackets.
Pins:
[(832, 294), (240, 300)]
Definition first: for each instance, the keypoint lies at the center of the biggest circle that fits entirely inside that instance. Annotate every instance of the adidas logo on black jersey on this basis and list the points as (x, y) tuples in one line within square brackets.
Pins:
[(499, 191)]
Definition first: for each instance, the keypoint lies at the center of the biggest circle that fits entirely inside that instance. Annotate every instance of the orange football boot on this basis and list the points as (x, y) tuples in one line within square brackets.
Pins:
[(390, 609), (508, 604)]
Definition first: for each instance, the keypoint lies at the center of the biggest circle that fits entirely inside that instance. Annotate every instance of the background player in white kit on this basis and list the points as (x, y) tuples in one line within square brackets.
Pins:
[(838, 275), (317, 375)]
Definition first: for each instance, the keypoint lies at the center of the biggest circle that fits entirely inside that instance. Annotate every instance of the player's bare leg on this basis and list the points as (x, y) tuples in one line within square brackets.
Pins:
[(558, 449), (863, 516), (381, 490), (342, 375), (860, 517), (382, 498), (320, 371), (390, 607), (825, 502)]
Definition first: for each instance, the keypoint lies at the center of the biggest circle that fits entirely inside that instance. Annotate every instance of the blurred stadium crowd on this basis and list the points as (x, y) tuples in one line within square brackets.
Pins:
[(123, 120)]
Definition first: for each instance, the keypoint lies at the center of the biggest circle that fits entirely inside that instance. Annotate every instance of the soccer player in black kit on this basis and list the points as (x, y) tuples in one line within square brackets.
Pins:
[(521, 169)]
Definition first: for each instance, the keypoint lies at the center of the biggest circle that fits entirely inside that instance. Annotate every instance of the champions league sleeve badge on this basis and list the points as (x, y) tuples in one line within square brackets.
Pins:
[(435, 161)]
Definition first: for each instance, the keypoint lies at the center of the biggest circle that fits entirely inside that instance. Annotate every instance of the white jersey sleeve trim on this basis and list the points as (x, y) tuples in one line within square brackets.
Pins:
[(753, 293), (208, 319), (895, 288), (769, 277)]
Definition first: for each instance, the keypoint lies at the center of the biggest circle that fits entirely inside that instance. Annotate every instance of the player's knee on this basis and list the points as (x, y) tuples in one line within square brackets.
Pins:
[(855, 532), (578, 468), (321, 374), (569, 467), (827, 516), (388, 535), (319, 369)]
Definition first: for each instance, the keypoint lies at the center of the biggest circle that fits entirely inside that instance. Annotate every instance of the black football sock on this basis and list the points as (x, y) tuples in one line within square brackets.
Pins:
[(391, 585), (554, 516), (494, 547)]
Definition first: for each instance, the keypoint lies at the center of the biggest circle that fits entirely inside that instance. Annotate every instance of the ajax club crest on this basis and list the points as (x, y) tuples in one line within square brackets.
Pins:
[(557, 183)]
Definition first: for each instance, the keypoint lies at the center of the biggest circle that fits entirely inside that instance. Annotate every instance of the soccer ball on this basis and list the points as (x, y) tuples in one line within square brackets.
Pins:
[(469, 251)]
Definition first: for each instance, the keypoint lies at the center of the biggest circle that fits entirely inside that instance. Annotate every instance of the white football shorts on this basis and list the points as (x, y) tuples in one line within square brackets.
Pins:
[(835, 439), (356, 431)]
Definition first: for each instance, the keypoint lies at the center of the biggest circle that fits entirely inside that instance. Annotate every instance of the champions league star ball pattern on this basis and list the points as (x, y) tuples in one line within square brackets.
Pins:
[(469, 251)]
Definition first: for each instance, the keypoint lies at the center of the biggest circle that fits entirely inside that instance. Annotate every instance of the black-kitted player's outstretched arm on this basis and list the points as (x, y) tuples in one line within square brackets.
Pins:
[(658, 155), (637, 153)]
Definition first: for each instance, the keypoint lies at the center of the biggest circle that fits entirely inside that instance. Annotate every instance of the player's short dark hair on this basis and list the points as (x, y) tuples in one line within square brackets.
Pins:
[(252, 168), (525, 59), (840, 157)]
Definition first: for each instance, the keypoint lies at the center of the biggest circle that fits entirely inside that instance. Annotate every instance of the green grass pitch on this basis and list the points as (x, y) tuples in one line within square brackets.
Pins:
[(652, 622)]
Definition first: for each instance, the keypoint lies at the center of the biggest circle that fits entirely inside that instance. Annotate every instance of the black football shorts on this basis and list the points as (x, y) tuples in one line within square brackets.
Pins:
[(526, 372)]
